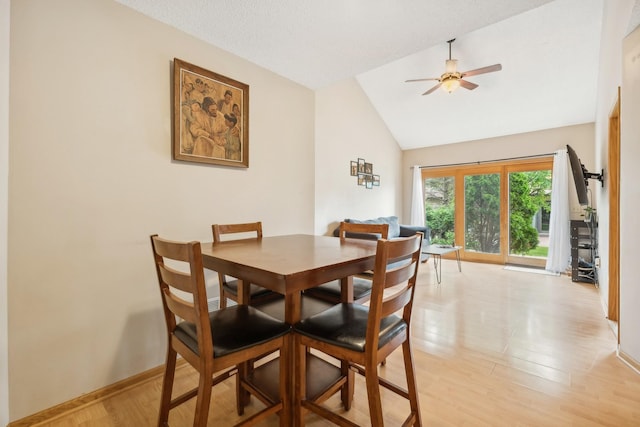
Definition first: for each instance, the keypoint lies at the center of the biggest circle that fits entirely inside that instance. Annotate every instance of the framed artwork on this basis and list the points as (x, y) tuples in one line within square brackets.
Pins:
[(364, 171), (210, 117), (369, 182), (354, 168)]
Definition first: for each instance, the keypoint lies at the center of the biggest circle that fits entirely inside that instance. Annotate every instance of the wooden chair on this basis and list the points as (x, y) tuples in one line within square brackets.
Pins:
[(332, 291), (220, 342), (229, 287), (362, 336)]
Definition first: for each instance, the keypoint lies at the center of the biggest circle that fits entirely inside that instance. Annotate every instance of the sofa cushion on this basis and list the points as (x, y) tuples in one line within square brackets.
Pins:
[(394, 226)]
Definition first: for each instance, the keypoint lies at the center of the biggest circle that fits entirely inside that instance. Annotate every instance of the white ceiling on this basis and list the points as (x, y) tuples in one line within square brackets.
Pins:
[(548, 49)]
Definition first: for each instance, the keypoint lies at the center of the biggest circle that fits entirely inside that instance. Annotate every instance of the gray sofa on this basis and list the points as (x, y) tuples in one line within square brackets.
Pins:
[(395, 230)]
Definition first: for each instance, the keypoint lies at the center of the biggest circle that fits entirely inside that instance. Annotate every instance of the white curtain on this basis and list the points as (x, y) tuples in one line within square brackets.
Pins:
[(559, 255), (417, 199)]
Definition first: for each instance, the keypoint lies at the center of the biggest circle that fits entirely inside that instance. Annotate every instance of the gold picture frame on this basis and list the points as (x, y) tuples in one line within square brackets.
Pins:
[(210, 117)]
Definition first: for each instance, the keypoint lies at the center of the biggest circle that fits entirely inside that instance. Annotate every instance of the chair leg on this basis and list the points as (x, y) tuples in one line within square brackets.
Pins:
[(285, 382), (203, 399), (349, 388), (223, 299), (411, 382), (373, 394), (242, 396), (300, 375), (167, 388)]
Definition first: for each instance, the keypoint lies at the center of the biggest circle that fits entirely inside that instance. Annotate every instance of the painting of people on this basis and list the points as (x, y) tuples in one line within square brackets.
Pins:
[(211, 117)]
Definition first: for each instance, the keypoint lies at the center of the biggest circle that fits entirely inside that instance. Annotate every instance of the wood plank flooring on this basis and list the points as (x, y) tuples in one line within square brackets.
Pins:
[(492, 347)]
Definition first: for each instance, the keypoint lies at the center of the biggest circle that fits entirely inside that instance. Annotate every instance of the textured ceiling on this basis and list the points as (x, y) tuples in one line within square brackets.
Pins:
[(548, 50)]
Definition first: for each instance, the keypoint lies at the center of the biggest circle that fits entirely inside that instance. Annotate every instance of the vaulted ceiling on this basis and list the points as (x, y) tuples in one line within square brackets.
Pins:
[(548, 50)]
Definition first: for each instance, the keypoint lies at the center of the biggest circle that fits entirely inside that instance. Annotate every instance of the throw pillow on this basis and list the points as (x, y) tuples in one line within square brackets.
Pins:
[(394, 226)]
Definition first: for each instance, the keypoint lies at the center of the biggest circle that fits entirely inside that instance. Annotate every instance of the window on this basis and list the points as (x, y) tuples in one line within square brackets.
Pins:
[(498, 212)]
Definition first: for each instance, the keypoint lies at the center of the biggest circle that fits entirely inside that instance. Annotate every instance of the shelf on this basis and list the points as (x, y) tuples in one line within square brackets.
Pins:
[(321, 375), (584, 251)]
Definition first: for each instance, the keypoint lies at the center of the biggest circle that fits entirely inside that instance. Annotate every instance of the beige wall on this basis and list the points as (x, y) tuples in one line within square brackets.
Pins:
[(92, 177), (616, 15), (619, 68), (630, 200), (4, 189), (348, 127), (580, 137)]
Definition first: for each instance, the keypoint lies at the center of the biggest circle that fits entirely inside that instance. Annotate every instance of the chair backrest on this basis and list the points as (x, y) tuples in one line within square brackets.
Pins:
[(348, 229), (189, 281), (396, 267), (249, 227)]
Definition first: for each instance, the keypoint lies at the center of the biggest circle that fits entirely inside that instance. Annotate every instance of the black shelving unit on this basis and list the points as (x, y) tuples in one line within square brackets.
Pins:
[(584, 250)]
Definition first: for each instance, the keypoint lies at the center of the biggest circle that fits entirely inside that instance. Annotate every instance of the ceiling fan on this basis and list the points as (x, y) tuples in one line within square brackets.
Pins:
[(452, 79)]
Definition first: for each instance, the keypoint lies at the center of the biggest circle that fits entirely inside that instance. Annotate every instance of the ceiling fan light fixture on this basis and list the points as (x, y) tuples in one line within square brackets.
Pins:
[(451, 65), (452, 79), (450, 84)]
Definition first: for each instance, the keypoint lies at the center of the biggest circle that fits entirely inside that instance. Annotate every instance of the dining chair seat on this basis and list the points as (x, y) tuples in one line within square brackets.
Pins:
[(230, 332), (345, 325), (331, 291), (255, 291), (308, 307)]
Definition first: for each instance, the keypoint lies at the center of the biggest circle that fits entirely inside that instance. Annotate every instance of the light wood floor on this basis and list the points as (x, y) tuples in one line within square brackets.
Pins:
[(492, 348)]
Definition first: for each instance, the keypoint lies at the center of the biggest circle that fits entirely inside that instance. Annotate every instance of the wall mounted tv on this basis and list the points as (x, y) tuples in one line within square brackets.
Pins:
[(581, 176)]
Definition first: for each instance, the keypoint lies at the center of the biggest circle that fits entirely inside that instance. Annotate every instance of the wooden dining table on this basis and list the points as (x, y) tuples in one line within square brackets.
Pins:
[(288, 265)]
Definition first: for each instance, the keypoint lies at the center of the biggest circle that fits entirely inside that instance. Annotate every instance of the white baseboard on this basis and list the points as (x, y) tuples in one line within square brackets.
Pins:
[(633, 364)]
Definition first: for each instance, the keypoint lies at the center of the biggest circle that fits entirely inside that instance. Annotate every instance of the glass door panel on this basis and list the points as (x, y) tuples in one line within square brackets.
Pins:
[(440, 197), (529, 210), (482, 213)]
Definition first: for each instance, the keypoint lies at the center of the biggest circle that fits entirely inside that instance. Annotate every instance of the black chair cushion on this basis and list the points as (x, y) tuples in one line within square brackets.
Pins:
[(361, 289), (309, 306), (254, 290), (233, 329), (345, 325)]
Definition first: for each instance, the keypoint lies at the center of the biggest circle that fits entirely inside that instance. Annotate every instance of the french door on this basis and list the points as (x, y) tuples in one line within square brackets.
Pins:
[(496, 212)]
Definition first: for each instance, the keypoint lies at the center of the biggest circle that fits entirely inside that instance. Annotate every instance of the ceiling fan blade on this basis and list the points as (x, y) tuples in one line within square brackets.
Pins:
[(433, 89), (489, 69), (468, 85), (421, 80)]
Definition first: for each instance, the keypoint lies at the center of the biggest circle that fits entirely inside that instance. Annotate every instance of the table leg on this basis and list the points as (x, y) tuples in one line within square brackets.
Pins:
[(437, 264), (243, 292), (346, 288)]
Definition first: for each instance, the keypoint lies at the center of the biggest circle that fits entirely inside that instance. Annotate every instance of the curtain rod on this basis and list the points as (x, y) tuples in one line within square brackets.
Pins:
[(489, 161)]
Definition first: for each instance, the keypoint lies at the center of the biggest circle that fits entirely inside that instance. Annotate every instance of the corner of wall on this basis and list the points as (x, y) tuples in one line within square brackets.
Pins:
[(4, 206)]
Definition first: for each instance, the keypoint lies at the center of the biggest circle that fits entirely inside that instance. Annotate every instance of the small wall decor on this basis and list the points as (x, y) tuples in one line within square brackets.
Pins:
[(364, 172), (210, 117)]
